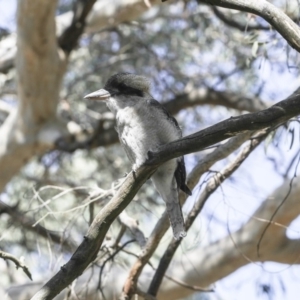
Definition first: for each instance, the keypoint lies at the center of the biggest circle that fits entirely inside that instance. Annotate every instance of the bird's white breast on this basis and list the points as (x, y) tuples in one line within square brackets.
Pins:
[(142, 128)]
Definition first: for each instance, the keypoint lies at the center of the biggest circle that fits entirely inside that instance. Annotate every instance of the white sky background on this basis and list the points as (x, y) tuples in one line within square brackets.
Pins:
[(7, 14), (238, 200)]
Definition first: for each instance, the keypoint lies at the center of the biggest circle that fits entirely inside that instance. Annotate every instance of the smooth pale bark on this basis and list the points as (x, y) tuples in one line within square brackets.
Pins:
[(206, 265), (33, 127)]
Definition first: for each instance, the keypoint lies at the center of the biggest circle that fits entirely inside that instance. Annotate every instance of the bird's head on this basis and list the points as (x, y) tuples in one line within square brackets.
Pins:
[(122, 84)]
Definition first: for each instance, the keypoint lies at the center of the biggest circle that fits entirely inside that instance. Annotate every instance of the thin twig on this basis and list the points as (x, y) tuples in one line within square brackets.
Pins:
[(111, 257), (17, 262)]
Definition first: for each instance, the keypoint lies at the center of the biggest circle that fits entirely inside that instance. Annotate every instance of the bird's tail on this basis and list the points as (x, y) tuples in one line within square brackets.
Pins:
[(176, 217), (166, 185)]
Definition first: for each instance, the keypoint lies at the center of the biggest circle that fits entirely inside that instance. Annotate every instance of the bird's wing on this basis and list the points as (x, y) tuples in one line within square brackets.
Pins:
[(180, 172), (155, 104), (180, 176)]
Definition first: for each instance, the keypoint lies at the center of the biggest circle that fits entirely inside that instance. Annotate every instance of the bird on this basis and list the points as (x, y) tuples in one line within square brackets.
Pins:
[(143, 125)]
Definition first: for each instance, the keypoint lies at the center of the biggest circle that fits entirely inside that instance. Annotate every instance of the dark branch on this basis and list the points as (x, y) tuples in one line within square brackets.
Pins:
[(163, 223), (235, 24), (273, 116), (69, 38), (88, 249), (24, 221), (211, 186), (111, 258), (4, 32)]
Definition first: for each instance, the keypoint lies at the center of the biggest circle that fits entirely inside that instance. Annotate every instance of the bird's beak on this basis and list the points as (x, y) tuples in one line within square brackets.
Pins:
[(98, 95)]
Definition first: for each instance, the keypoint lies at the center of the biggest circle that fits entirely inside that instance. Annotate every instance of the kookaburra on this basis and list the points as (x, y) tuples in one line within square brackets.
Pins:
[(143, 125)]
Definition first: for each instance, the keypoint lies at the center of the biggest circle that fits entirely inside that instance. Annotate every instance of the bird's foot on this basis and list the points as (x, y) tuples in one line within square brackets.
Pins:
[(179, 235)]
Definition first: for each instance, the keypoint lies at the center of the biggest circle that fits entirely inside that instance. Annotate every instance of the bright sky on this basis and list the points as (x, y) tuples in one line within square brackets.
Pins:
[(7, 14)]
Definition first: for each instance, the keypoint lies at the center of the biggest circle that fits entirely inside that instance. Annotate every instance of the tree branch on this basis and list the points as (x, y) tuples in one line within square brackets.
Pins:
[(211, 186), (240, 248), (99, 18), (206, 265), (27, 223), (273, 116), (69, 38), (33, 127), (235, 24), (163, 224), (201, 96), (273, 15), (133, 226), (8, 50), (17, 262), (209, 96), (88, 249)]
